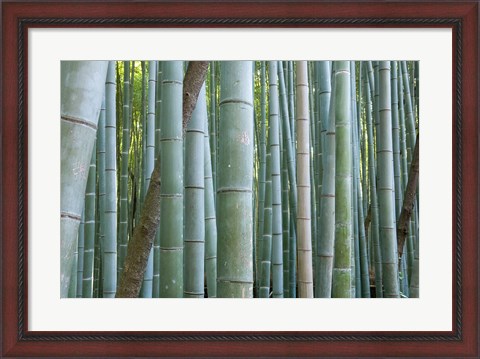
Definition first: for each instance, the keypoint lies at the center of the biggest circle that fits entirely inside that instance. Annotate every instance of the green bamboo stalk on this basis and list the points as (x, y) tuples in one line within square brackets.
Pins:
[(363, 286), (285, 220), (264, 290), (143, 116), (118, 141), (370, 79), (376, 95), (411, 77), (363, 140), (356, 278), (158, 106), (364, 290), (318, 145), (146, 290), (72, 287), (373, 191), (364, 260), (409, 116), (156, 243), (324, 94), (305, 275), (313, 169), (255, 193), (396, 140), (285, 202), (82, 87), (290, 84), (262, 170), (385, 183), (86, 280), (403, 277), (292, 242), (213, 125), (210, 222), (355, 262), (123, 223), (194, 237), (133, 162), (171, 220), (402, 130), (75, 290), (109, 261), (234, 186), (277, 227), (288, 142), (100, 212), (404, 169), (326, 240), (417, 89), (341, 280)]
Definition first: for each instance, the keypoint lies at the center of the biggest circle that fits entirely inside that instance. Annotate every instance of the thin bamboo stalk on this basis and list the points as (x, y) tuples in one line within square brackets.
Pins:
[(75, 290), (326, 238), (146, 290), (213, 126), (156, 243), (277, 228), (86, 280), (409, 116), (210, 223), (385, 183), (355, 262), (194, 237), (264, 290), (262, 170), (373, 192), (285, 219), (109, 260), (100, 213), (288, 144), (123, 223)]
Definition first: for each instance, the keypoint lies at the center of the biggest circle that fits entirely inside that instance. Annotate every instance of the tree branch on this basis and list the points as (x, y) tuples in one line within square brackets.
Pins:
[(140, 245), (194, 79), (408, 200)]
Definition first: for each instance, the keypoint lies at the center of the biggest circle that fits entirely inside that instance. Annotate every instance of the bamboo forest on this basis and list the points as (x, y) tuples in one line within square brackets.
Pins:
[(239, 179)]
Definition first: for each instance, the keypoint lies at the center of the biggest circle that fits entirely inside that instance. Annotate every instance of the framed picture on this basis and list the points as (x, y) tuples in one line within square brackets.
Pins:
[(441, 37)]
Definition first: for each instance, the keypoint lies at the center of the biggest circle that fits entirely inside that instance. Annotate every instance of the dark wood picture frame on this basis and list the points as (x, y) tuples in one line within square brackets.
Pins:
[(18, 17)]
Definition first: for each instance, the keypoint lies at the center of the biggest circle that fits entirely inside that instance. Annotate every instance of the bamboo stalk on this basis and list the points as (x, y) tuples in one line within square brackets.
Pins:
[(109, 260), (234, 186), (194, 237), (305, 275), (277, 228), (385, 182), (341, 280), (82, 84)]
